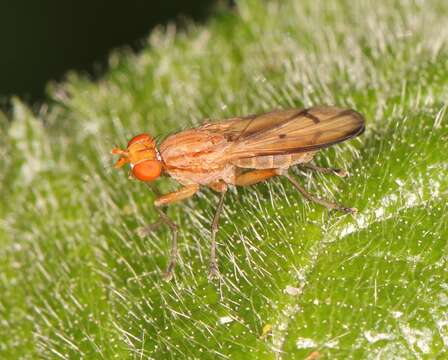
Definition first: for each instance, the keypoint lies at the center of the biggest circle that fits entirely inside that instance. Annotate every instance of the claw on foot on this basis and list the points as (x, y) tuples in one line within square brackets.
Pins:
[(167, 275), (352, 211), (143, 231), (341, 172), (213, 273)]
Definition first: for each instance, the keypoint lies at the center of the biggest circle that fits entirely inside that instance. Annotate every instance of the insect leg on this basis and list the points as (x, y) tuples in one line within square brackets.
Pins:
[(218, 186), (214, 272), (308, 196), (166, 199), (179, 195), (338, 172), (146, 230), (173, 253), (164, 219), (255, 176)]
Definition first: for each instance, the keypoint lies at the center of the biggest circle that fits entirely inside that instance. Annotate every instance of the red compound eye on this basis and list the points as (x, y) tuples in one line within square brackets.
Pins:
[(147, 170), (139, 138)]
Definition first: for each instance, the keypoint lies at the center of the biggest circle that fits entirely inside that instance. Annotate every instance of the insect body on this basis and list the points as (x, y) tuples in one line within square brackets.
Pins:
[(239, 151)]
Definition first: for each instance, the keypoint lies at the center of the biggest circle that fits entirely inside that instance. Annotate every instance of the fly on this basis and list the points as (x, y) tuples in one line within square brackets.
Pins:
[(239, 151)]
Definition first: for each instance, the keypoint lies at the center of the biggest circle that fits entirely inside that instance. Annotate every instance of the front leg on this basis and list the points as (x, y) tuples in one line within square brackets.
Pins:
[(175, 196), (179, 195), (166, 199), (213, 271)]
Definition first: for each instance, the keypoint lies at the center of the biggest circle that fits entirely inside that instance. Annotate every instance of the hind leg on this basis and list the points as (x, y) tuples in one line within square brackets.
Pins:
[(255, 176), (329, 205)]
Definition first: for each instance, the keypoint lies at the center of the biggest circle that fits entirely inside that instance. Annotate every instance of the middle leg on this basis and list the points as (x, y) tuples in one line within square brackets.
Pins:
[(255, 176)]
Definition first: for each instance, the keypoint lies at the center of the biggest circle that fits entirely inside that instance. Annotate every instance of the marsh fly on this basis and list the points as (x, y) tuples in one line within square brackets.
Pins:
[(239, 151)]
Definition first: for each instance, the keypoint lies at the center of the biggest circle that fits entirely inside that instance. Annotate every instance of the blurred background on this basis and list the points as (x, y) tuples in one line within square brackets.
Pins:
[(41, 40)]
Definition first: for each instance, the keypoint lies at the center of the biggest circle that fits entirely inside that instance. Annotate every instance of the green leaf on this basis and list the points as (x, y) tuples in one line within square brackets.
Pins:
[(77, 281)]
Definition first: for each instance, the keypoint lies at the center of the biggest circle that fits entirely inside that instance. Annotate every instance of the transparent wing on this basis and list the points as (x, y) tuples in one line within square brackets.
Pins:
[(239, 127), (288, 131)]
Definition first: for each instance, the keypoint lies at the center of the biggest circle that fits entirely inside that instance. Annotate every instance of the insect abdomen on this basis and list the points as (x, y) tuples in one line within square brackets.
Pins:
[(274, 161)]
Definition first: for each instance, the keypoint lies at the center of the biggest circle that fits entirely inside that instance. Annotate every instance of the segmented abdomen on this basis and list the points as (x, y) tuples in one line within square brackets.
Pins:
[(283, 161)]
